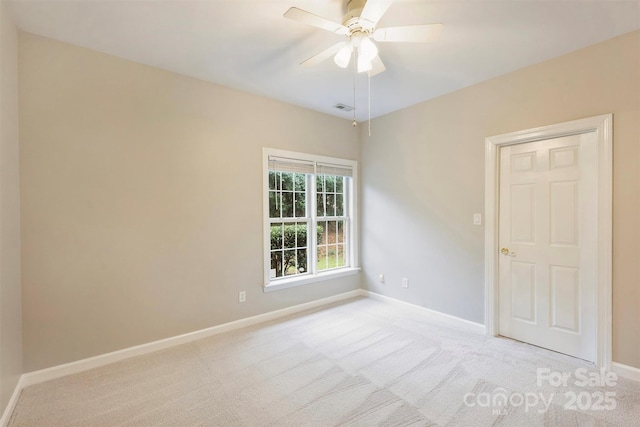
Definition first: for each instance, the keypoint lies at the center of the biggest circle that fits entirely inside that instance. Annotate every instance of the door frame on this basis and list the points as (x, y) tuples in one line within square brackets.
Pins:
[(602, 126)]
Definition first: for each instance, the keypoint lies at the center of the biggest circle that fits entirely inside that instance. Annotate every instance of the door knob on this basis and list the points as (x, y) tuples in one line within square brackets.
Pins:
[(507, 252)]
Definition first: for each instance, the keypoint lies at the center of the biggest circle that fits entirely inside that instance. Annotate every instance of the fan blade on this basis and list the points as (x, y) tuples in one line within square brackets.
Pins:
[(412, 33), (374, 9), (316, 59), (315, 20), (378, 66)]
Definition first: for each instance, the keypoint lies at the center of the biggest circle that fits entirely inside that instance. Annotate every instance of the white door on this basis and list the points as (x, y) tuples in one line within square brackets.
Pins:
[(548, 244)]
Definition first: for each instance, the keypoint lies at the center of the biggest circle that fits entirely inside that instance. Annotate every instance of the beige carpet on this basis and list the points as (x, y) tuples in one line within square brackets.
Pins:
[(362, 362)]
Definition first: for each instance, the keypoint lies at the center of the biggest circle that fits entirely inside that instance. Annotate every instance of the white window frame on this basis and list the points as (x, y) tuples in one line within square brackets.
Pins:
[(351, 203)]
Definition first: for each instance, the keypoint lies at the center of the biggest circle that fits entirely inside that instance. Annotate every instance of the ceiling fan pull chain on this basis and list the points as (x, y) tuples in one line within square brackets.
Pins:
[(355, 70), (369, 80)]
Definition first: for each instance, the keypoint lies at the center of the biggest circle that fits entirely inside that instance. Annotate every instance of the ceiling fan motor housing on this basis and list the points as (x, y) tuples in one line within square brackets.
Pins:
[(351, 18)]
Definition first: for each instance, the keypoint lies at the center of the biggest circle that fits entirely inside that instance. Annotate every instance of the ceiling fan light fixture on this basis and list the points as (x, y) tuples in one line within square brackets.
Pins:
[(367, 49), (343, 57), (364, 64)]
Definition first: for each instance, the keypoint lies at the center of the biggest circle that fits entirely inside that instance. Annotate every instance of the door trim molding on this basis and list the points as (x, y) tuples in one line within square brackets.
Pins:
[(602, 126)]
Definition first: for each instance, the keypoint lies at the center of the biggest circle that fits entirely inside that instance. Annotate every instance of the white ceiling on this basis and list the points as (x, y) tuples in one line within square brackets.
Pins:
[(248, 45)]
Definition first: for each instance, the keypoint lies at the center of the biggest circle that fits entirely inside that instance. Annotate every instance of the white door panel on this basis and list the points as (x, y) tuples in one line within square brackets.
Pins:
[(548, 217), (523, 290), (565, 298)]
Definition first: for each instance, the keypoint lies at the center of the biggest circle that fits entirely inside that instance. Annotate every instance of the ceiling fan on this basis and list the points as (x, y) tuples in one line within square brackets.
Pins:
[(359, 26)]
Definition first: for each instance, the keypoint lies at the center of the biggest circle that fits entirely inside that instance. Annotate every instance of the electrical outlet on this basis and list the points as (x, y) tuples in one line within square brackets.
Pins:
[(242, 296), (381, 277), (405, 282)]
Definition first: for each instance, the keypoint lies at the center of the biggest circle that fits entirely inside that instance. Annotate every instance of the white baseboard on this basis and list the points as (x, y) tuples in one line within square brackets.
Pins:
[(47, 374), (6, 416), (626, 371), (436, 316)]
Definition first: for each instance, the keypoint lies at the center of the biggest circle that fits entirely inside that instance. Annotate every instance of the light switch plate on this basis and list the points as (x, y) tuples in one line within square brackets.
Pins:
[(477, 219)]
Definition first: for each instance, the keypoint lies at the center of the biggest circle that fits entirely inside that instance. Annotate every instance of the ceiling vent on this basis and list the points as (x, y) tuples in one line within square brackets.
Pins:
[(343, 107)]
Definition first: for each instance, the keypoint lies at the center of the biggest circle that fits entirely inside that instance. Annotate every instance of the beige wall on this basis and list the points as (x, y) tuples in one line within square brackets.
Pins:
[(423, 178), (138, 223), (10, 306)]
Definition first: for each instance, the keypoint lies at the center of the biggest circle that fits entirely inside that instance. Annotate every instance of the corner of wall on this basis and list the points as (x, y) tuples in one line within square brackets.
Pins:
[(10, 269)]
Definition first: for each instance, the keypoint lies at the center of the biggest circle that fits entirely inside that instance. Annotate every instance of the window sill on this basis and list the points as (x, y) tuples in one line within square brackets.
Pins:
[(299, 281)]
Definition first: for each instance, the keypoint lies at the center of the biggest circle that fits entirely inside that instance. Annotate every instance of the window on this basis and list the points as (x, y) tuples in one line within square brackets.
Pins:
[(309, 218)]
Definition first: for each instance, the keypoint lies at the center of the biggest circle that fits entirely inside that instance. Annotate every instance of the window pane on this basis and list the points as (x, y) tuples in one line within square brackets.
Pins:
[(276, 236), (341, 257), (330, 183), (287, 181), (272, 180), (340, 232), (319, 184), (331, 232), (339, 204), (287, 205), (319, 230), (340, 184), (289, 235), (301, 235), (301, 206), (320, 201), (331, 205), (332, 253), (301, 182), (322, 258), (286, 258), (289, 262), (276, 264), (274, 204), (302, 260), (322, 232)]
